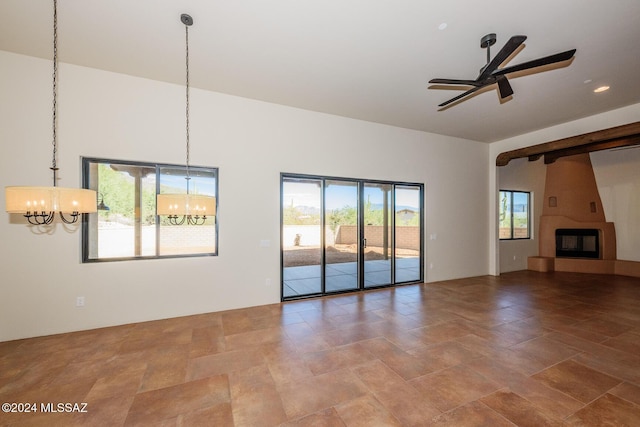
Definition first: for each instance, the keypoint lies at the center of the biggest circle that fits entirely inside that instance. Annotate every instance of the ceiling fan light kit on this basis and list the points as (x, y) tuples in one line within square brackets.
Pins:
[(490, 73)]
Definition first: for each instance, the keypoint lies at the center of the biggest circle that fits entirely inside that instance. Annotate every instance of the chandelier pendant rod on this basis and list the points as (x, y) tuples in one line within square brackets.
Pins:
[(54, 163), (186, 19)]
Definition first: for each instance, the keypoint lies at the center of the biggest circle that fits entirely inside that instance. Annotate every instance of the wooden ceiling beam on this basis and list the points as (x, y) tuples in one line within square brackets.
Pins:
[(552, 156), (625, 135)]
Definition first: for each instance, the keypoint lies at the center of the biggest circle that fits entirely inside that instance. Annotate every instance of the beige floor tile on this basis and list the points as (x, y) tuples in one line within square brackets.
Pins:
[(366, 411), (168, 403), (320, 392), (628, 392), (473, 414), (255, 398), (518, 410), (403, 363), (398, 396), (607, 410), (452, 387), (342, 357), (576, 380), (223, 363), (627, 341), (324, 418)]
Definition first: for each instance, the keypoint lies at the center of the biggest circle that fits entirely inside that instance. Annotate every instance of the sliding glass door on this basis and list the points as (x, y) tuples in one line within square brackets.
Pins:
[(377, 222), (341, 249), (408, 233), (341, 235), (302, 259)]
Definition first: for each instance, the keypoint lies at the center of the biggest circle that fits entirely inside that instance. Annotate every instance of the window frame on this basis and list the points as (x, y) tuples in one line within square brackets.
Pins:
[(360, 233), (511, 223), (86, 169)]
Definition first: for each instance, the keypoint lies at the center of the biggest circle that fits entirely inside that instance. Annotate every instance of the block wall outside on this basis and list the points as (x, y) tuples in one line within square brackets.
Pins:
[(117, 240), (406, 237), (173, 238), (518, 233)]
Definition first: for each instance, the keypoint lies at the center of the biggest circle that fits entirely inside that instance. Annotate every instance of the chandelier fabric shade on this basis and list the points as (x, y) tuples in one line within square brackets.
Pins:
[(186, 204), (26, 200)]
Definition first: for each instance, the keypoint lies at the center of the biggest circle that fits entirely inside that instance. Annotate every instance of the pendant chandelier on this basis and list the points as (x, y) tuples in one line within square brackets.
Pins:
[(40, 204), (186, 208)]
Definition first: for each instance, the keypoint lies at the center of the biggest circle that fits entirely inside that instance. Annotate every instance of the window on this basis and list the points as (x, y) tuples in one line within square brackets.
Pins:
[(126, 225), (514, 215)]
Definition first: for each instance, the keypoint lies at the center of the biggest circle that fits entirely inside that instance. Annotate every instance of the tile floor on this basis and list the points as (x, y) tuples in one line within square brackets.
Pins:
[(525, 349)]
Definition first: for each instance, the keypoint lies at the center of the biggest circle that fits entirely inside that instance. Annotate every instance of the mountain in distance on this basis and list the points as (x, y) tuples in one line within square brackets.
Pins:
[(314, 210)]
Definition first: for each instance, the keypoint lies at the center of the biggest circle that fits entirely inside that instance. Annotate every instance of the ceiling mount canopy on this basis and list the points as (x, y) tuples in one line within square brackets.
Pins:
[(40, 204), (186, 208), (490, 73)]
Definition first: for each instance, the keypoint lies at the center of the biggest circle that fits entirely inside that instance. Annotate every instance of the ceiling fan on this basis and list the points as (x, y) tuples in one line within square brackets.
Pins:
[(490, 73)]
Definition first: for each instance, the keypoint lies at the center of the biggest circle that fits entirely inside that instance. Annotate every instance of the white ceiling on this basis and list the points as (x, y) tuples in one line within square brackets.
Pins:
[(364, 59)]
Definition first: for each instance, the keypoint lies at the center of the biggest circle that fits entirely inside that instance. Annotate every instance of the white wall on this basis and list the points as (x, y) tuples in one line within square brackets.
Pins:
[(616, 174), (618, 177), (109, 115)]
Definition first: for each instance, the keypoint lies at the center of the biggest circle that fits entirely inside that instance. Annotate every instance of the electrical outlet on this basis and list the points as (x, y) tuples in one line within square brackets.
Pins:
[(80, 302), (267, 282)]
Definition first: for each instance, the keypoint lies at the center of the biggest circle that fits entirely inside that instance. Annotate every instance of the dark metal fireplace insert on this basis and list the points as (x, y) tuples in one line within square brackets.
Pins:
[(577, 243)]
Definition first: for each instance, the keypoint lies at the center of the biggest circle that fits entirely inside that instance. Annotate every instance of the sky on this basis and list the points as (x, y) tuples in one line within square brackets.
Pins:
[(339, 196)]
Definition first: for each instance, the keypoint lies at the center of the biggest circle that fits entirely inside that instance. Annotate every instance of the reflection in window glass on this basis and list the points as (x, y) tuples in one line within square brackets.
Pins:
[(126, 225), (187, 239)]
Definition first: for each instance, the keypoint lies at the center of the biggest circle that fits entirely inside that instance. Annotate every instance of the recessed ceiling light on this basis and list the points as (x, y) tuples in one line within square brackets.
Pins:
[(588, 81), (442, 26), (601, 89)]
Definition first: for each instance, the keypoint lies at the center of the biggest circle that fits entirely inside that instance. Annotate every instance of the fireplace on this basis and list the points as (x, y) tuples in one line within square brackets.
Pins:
[(577, 243), (573, 233)]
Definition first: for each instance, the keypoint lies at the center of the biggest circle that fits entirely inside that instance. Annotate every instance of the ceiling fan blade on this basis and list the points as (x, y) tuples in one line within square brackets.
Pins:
[(462, 95), (504, 87), (454, 82), (506, 51), (551, 59)]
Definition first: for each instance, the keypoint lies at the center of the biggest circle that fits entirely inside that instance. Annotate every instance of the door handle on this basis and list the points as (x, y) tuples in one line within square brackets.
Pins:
[(364, 243)]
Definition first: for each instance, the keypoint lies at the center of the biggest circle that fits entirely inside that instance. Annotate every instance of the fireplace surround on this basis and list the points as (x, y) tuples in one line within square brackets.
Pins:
[(573, 233)]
